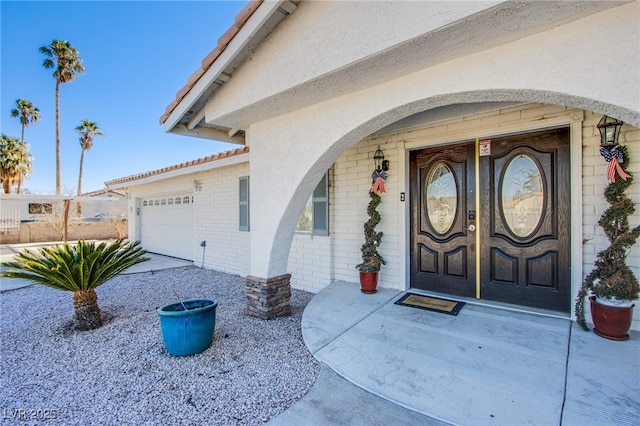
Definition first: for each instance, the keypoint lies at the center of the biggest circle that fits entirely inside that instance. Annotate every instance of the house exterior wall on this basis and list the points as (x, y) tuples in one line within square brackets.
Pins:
[(303, 115), (353, 171), (314, 261), (352, 181), (216, 221), (369, 27), (517, 46), (547, 67), (310, 262)]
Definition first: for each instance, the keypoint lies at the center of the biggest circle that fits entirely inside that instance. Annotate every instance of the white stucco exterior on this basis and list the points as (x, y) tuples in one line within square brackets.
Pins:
[(335, 80)]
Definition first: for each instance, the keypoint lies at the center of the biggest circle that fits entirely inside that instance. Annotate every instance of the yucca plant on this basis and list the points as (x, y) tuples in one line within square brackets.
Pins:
[(79, 268)]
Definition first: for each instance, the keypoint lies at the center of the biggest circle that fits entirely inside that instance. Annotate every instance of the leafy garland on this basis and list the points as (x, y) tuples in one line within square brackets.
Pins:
[(611, 277)]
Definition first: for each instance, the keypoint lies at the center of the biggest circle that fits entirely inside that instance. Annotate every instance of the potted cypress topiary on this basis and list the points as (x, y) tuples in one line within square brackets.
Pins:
[(611, 286), (372, 261)]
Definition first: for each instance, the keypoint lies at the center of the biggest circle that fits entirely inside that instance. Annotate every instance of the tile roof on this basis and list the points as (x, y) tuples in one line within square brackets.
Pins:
[(198, 161), (103, 192), (223, 42)]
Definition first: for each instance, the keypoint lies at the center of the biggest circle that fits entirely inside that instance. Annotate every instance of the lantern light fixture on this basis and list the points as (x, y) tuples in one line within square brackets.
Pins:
[(609, 131), (378, 158)]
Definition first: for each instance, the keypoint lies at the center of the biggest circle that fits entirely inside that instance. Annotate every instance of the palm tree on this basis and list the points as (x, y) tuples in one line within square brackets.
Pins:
[(77, 268), (28, 114), (88, 131), (15, 161), (64, 58)]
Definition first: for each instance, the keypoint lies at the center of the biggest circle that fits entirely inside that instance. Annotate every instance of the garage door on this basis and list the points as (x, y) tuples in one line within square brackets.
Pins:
[(167, 225)]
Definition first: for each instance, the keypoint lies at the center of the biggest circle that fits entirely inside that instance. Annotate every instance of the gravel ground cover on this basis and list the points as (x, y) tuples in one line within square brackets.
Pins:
[(122, 374)]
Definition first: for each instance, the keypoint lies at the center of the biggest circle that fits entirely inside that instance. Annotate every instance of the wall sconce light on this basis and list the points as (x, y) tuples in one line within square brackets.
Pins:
[(378, 159), (609, 131), (196, 185)]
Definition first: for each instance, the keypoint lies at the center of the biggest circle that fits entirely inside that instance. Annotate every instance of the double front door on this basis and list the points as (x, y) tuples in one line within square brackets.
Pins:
[(491, 219)]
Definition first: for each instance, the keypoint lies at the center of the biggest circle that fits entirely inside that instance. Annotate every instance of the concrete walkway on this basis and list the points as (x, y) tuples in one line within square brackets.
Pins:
[(486, 366)]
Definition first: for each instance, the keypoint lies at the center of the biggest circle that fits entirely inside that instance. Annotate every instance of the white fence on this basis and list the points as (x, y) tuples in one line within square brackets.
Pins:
[(9, 220)]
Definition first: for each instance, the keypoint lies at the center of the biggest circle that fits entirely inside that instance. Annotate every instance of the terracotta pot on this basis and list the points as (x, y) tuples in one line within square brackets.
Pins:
[(611, 322), (368, 282)]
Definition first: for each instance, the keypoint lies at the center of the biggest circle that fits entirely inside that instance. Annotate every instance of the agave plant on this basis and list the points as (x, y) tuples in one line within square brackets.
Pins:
[(78, 268)]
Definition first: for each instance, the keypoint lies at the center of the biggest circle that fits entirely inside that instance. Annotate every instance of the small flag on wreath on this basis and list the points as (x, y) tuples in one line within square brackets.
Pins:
[(615, 158)]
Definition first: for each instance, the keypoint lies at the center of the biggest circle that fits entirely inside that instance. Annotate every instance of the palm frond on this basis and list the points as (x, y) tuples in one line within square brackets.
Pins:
[(78, 267)]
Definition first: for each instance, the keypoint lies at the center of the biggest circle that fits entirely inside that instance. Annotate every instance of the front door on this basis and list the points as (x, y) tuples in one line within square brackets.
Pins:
[(494, 223)]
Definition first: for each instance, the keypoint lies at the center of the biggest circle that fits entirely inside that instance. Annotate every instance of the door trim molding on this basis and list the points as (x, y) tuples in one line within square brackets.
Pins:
[(573, 120)]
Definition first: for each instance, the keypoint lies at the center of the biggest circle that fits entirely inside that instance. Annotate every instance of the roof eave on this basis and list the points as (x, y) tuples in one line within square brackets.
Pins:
[(223, 159), (185, 114)]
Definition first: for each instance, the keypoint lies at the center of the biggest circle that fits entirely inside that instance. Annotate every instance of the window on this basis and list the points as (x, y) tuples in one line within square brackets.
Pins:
[(40, 208), (243, 201), (315, 216)]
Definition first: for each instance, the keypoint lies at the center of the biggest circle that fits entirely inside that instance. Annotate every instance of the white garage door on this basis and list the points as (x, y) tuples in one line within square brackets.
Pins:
[(167, 225)]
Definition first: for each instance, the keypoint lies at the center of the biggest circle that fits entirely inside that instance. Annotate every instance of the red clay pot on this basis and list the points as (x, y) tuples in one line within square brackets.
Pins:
[(611, 322), (368, 282)]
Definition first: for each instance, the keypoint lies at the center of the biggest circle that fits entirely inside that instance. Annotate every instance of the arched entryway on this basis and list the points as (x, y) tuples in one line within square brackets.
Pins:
[(328, 135)]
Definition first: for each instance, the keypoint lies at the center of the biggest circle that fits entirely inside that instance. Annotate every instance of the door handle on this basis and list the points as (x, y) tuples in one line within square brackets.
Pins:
[(472, 227)]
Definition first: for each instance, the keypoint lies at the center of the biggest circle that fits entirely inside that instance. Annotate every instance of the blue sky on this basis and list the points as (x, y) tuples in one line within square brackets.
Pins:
[(136, 55)]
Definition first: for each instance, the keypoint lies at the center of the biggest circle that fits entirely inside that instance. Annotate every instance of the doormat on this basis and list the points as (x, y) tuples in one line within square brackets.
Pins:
[(434, 304)]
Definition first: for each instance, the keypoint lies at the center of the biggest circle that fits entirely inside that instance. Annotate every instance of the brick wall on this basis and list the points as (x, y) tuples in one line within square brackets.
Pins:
[(594, 181), (351, 183), (216, 221)]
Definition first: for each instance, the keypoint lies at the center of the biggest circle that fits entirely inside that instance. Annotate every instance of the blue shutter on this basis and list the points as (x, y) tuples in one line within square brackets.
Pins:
[(244, 203)]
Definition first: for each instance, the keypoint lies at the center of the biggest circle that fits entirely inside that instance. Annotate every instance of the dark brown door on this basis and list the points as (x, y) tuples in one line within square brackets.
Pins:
[(442, 193), (523, 220), (525, 247)]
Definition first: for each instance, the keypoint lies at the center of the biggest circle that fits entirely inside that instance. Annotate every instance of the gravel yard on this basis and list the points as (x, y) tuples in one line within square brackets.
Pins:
[(121, 372)]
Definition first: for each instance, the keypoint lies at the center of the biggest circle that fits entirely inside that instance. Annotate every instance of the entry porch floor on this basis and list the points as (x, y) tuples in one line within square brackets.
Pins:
[(488, 365)]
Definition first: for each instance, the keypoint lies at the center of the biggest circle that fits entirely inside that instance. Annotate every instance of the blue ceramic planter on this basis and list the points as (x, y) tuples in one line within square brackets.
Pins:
[(188, 332)]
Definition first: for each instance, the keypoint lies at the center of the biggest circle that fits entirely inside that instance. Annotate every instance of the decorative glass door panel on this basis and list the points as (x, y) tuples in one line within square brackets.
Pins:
[(441, 198), (522, 195)]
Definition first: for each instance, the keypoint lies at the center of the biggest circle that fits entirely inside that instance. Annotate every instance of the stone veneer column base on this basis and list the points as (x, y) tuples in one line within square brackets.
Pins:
[(268, 298)]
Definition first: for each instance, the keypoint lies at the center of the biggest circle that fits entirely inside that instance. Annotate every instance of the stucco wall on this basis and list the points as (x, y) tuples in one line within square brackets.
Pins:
[(450, 47), (547, 67)]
